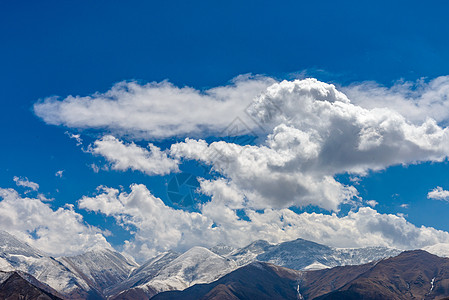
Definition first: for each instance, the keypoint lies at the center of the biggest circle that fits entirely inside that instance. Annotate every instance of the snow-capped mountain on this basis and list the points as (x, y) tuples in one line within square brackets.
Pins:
[(248, 254), (104, 273), (197, 265), (77, 277), (143, 274), (19, 256), (302, 254), (100, 268), (171, 271), (410, 275)]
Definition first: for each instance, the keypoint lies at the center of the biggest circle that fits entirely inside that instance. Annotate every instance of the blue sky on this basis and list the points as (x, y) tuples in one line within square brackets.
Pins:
[(61, 48)]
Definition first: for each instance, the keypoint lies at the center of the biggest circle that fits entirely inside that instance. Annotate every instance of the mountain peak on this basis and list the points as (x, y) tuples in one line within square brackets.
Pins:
[(100, 267)]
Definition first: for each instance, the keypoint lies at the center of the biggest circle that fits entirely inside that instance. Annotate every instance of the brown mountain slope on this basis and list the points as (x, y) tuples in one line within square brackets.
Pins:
[(16, 287), (254, 281), (320, 282), (410, 275)]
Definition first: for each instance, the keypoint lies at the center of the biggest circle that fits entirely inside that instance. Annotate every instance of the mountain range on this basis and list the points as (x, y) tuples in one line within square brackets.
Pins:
[(291, 269), (410, 275)]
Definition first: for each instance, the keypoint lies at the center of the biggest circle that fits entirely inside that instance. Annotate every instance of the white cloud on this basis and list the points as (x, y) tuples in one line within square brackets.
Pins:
[(158, 227), (366, 227), (155, 110), (158, 110), (130, 156), (316, 133), (323, 125), (441, 249), (43, 198), (312, 133), (438, 194), (94, 168), (24, 182), (372, 203), (259, 174), (416, 101), (59, 173), (76, 137), (57, 232)]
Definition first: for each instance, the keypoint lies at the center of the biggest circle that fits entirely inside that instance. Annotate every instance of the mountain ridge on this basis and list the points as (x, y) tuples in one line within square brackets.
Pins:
[(104, 273), (413, 274)]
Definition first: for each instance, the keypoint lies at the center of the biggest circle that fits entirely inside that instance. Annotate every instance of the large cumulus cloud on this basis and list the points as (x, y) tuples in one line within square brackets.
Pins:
[(316, 133), (312, 133)]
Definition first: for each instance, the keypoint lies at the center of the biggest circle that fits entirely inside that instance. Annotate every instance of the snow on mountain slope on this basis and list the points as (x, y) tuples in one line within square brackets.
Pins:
[(13, 246), (200, 265), (302, 254), (100, 268), (249, 254), (5, 265), (144, 273), (358, 256), (315, 266), (222, 249), (4, 276), (197, 265), (19, 256), (106, 273)]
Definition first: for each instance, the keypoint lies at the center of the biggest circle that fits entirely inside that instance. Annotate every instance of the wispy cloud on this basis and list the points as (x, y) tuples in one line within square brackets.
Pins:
[(438, 193), (77, 137), (155, 110), (24, 182), (416, 101), (372, 203), (94, 168)]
